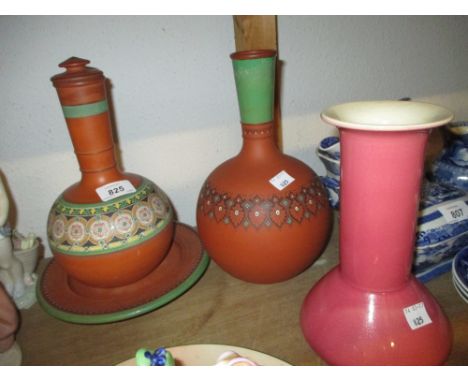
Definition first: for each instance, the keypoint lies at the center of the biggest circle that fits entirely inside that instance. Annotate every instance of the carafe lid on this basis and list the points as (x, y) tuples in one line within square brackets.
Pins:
[(77, 74)]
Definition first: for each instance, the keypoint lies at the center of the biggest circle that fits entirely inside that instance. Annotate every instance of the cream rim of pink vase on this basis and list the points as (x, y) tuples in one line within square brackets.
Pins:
[(387, 115)]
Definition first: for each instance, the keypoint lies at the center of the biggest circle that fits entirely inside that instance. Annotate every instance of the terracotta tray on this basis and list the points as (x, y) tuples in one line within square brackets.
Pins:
[(181, 269)]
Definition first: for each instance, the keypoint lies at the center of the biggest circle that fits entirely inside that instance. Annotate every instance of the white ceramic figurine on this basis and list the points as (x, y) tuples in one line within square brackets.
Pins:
[(16, 264)]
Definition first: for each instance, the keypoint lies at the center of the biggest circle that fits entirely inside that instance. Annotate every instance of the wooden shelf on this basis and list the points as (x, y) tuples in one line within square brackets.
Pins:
[(219, 309)]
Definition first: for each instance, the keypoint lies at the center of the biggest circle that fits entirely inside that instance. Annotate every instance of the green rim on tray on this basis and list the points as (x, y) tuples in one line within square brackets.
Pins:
[(128, 313), (187, 277)]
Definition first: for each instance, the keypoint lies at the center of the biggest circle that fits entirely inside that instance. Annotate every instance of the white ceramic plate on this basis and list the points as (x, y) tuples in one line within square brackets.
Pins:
[(207, 354)]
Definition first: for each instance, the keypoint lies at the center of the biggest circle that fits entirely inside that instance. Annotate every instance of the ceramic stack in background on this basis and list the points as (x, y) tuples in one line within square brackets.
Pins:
[(451, 167), (328, 152), (451, 170)]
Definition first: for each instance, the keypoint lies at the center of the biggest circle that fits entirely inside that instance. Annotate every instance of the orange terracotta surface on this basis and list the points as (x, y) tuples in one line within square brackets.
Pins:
[(59, 291), (92, 140), (121, 267), (263, 253), (265, 256)]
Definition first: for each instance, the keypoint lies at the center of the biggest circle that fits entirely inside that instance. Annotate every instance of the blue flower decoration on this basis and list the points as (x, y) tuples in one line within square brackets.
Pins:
[(157, 358)]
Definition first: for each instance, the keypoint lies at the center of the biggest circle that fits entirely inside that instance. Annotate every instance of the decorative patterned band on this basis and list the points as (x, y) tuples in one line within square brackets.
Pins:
[(262, 130), (106, 227), (81, 111), (261, 212)]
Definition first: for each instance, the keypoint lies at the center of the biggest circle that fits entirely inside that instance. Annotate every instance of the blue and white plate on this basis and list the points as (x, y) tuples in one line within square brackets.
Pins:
[(460, 268), (460, 292), (460, 273)]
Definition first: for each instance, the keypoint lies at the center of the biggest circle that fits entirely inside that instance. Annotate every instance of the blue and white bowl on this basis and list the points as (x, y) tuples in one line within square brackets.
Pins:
[(333, 188), (459, 129), (329, 153), (460, 268), (460, 273), (461, 293), (451, 167), (330, 146)]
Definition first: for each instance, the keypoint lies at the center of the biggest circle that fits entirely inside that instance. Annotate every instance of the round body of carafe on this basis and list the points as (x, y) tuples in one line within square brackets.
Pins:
[(112, 243)]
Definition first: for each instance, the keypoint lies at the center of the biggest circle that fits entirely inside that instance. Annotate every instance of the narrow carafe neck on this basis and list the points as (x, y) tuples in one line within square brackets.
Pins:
[(90, 130), (82, 93), (259, 141)]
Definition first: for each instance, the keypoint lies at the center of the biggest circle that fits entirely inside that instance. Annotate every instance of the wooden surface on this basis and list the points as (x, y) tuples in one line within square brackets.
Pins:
[(260, 32), (219, 309), (255, 32)]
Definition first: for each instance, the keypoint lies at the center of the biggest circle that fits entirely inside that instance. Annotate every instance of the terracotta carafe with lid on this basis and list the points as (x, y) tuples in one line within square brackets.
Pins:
[(111, 228), (263, 216)]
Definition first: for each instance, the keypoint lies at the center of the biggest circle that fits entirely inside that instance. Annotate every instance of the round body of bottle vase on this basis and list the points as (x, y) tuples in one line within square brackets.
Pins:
[(263, 216)]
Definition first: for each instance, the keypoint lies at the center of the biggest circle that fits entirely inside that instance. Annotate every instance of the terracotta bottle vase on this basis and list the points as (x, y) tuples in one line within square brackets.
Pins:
[(111, 228), (262, 216), (370, 310)]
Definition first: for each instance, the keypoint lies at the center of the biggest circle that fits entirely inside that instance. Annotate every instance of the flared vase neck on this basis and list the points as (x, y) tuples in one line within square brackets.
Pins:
[(381, 174)]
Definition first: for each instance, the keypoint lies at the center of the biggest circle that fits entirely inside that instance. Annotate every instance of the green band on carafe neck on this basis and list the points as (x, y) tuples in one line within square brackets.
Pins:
[(255, 83)]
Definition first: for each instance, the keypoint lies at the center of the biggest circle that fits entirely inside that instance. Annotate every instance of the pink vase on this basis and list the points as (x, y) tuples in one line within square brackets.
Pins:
[(370, 310)]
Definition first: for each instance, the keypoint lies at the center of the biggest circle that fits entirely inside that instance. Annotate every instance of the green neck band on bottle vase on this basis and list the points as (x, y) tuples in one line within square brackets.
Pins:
[(255, 83)]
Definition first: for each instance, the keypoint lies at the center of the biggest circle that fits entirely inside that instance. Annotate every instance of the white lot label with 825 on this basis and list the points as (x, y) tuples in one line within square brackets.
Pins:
[(115, 189)]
